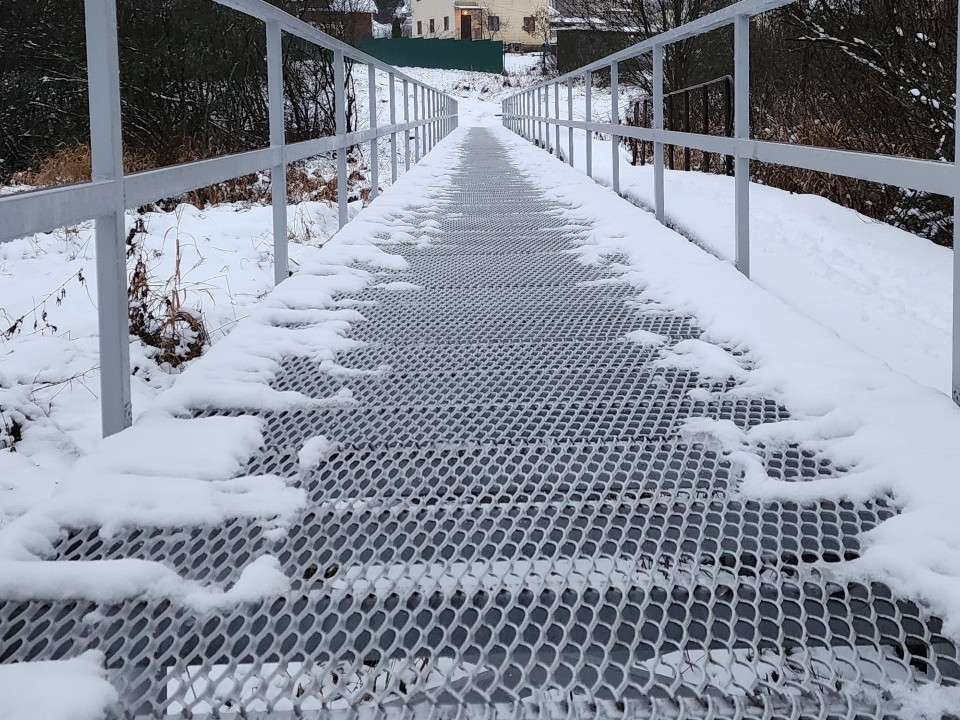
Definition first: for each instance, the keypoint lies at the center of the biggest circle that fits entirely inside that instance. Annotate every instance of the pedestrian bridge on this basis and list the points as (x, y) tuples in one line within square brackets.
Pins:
[(508, 520)]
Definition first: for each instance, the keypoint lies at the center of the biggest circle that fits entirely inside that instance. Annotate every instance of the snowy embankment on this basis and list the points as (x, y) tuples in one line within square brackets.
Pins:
[(885, 290)]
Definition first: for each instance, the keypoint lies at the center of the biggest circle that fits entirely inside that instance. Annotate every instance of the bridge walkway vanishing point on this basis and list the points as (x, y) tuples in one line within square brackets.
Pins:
[(510, 523)]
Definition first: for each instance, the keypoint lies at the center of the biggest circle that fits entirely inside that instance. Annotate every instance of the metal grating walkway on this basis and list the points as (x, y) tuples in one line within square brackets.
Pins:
[(510, 525)]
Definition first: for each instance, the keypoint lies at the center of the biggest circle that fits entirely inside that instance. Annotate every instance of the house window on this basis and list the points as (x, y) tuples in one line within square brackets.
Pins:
[(432, 30), (446, 22), (419, 27), (493, 23), (530, 25)]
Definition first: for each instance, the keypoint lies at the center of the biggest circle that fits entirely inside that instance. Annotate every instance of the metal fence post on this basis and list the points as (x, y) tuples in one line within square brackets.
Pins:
[(741, 123), (393, 135), (658, 199), (556, 105), (340, 113), (615, 120), (278, 173), (529, 114), (374, 145), (588, 83), (434, 114), (426, 116), (705, 98), (956, 243), (406, 130), (539, 112), (546, 105), (570, 118), (416, 130), (106, 140), (523, 111)]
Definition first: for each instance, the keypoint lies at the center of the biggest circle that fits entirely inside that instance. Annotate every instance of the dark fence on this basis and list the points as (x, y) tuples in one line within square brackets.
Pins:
[(576, 48), (687, 110), (480, 55)]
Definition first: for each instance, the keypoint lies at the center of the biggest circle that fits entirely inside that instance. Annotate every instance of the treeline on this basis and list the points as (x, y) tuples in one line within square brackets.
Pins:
[(869, 75), (192, 73)]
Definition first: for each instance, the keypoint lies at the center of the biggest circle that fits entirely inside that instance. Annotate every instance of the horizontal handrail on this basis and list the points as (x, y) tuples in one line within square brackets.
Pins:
[(41, 210), (528, 113)]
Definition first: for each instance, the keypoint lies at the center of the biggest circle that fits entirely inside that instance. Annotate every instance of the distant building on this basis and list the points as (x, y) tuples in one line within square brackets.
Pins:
[(343, 18), (520, 24)]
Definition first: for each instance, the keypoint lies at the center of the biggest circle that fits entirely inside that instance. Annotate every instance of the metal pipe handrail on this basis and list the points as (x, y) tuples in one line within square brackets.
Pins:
[(111, 191), (930, 176)]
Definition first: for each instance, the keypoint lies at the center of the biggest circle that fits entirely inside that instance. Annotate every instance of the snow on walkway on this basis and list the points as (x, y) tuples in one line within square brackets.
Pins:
[(518, 442)]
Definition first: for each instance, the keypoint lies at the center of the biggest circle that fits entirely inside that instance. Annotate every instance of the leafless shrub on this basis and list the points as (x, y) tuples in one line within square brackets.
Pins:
[(159, 311)]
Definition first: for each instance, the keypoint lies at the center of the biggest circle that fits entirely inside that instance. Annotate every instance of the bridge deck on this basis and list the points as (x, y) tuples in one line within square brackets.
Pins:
[(511, 522)]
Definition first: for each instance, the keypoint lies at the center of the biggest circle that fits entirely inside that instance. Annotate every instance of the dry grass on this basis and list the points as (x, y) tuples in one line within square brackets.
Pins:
[(158, 310), (72, 165)]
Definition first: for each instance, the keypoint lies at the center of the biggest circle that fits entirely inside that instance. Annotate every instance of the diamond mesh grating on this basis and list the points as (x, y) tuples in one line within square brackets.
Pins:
[(510, 526)]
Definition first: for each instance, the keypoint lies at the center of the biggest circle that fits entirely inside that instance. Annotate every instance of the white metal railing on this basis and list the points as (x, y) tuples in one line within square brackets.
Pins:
[(106, 197), (528, 113)]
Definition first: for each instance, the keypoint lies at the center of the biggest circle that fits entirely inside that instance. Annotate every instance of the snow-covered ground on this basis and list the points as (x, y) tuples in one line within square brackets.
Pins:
[(856, 298)]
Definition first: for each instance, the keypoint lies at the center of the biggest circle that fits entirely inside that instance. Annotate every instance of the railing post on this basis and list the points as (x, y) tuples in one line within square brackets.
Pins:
[(615, 119), (278, 173), (658, 200), (340, 114), (431, 116), (670, 126), (686, 128), (538, 111), (556, 105), (524, 99), (570, 118), (546, 117), (106, 140), (588, 84), (956, 243), (529, 114), (741, 123), (374, 145), (728, 119), (426, 117), (393, 135), (406, 130), (416, 130), (706, 125)]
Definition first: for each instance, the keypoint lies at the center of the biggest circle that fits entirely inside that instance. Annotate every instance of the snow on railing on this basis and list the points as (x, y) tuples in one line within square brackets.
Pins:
[(528, 113), (106, 197)]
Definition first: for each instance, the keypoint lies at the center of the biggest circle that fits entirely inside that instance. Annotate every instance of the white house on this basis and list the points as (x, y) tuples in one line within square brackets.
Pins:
[(518, 23)]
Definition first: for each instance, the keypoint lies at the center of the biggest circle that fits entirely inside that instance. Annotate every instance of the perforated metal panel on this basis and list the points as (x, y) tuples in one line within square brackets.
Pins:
[(510, 524)]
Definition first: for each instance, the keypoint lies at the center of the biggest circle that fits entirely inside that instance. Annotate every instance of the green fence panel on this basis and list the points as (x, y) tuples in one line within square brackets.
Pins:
[(480, 55)]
